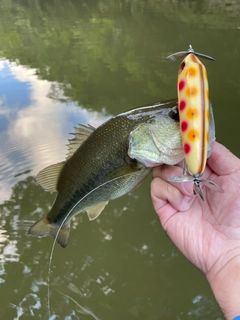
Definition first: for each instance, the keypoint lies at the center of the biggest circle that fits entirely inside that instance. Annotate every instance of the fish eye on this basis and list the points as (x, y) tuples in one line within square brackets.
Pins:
[(174, 114)]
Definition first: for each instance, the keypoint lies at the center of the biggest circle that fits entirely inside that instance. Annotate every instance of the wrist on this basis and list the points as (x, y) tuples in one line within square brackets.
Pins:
[(224, 279)]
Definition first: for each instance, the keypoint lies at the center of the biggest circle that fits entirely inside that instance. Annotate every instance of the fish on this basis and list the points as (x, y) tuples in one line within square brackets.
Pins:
[(196, 118), (102, 164)]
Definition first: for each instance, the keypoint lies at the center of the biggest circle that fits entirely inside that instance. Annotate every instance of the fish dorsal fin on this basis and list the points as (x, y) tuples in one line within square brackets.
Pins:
[(81, 134), (94, 212), (48, 177)]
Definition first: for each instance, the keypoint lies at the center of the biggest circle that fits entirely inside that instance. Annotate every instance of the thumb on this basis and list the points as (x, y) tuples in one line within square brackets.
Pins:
[(222, 161)]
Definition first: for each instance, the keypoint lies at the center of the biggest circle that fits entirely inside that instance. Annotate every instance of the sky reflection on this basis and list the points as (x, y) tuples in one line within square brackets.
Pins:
[(33, 127)]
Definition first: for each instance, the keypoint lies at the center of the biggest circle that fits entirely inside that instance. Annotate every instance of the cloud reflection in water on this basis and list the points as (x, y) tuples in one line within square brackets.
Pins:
[(34, 134)]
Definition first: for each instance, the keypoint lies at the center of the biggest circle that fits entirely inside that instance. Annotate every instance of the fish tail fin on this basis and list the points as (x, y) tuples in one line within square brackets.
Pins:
[(44, 228)]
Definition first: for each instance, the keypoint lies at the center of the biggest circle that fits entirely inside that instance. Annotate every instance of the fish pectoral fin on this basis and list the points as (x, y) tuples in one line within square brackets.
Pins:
[(94, 212), (48, 177), (43, 228)]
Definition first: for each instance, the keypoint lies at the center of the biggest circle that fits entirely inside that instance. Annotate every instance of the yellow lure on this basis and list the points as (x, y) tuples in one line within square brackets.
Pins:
[(193, 100), (196, 118)]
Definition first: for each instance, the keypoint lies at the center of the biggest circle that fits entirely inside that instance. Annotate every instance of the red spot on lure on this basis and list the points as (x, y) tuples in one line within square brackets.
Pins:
[(184, 126), (181, 85), (182, 105), (187, 148)]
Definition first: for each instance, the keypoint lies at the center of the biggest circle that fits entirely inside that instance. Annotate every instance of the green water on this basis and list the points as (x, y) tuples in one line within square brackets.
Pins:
[(69, 62)]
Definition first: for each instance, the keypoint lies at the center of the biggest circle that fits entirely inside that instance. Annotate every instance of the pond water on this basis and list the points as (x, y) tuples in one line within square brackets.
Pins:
[(69, 62)]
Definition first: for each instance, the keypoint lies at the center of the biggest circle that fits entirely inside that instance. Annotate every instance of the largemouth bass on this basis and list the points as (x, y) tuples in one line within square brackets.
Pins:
[(108, 162)]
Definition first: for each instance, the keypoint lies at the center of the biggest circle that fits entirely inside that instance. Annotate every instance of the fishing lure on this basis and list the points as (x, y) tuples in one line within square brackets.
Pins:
[(196, 118)]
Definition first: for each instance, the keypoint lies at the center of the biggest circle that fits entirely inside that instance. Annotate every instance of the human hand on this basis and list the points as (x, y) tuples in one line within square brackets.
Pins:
[(206, 232)]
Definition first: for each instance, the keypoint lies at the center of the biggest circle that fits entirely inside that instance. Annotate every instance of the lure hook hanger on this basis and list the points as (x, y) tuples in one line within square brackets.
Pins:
[(197, 180), (182, 54)]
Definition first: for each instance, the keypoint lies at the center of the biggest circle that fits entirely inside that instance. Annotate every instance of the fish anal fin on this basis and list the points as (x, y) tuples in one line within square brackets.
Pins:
[(48, 177), (81, 134), (43, 228), (95, 211)]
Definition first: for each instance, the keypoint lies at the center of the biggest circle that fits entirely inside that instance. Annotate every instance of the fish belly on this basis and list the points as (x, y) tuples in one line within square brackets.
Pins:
[(112, 189)]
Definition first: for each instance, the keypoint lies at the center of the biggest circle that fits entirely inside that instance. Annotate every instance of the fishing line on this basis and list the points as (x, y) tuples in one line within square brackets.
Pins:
[(55, 239), (84, 310)]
